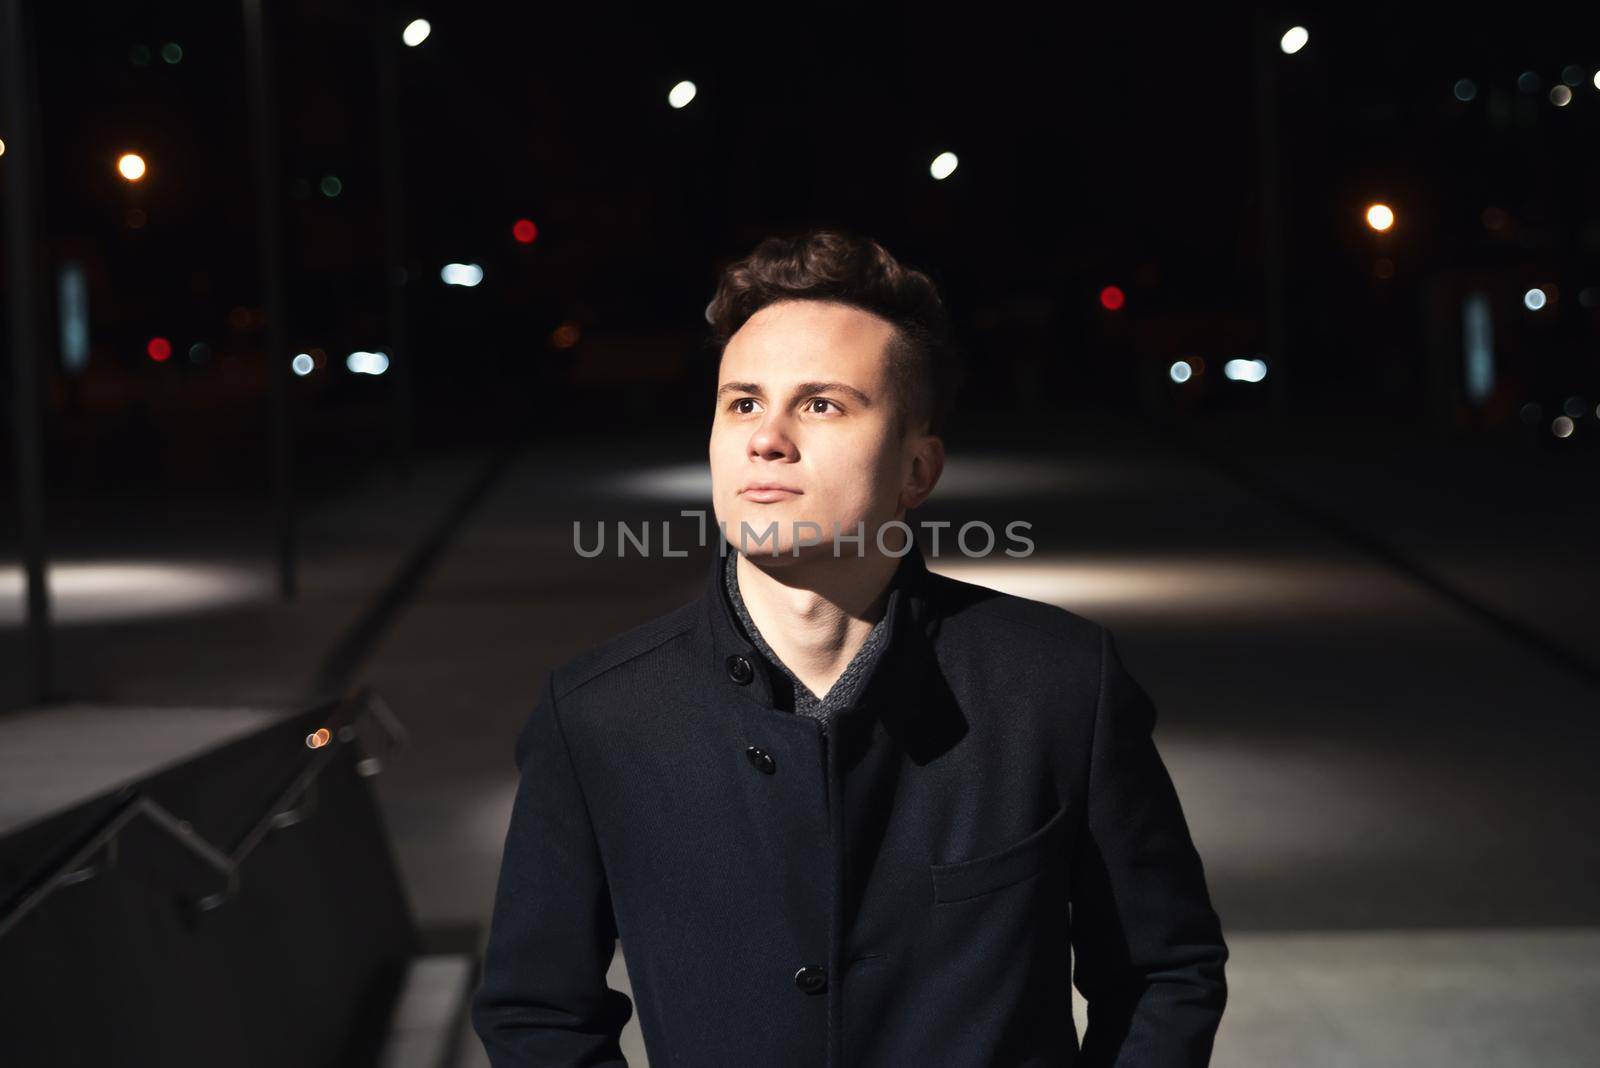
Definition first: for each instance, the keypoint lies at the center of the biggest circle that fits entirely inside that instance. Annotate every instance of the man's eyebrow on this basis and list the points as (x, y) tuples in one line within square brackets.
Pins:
[(803, 389)]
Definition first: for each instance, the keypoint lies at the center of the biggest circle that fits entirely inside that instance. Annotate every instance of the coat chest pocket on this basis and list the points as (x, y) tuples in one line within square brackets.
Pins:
[(1021, 860)]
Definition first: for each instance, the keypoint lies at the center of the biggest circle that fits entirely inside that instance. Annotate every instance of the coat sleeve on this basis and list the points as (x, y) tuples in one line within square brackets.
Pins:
[(1148, 945), (543, 998)]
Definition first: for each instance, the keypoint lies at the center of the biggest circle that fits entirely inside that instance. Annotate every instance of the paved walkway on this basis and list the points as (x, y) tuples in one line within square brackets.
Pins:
[(175, 600)]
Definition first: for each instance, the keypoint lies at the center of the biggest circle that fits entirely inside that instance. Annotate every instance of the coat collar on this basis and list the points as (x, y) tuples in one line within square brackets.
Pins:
[(908, 614)]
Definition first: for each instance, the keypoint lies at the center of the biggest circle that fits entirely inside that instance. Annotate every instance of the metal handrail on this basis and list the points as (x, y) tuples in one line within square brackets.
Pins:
[(293, 805)]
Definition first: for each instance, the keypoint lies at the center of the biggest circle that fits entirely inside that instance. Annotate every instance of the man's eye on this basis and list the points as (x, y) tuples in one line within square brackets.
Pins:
[(820, 400), (742, 400)]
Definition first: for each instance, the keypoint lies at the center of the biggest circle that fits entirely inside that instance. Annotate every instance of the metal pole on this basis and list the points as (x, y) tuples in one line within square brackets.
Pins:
[(259, 56), (22, 263), (388, 41), (1264, 47)]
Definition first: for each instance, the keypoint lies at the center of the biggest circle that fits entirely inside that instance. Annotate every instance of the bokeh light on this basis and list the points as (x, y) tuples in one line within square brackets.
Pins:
[(461, 274), (131, 166), (416, 31), (680, 95), (367, 363), (1245, 370)]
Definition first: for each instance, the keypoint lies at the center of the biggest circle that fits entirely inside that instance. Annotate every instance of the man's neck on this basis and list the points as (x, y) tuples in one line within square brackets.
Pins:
[(816, 613)]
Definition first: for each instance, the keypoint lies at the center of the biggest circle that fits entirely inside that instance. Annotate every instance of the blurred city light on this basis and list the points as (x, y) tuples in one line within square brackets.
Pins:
[(1180, 371), (681, 94), (171, 53), (1380, 216), (1245, 370), (1533, 299), (131, 166), (1528, 82), (302, 364), (1465, 89), (943, 166), (566, 335), (989, 477), (524, 231), (1294, 39), (100, 592), (1112, 298), (72, 300), (1597, 79), (2, 147), (1171, 585), (1477, 329), (416, 32), (1562, 426), (461, 274), (331, 186), (1572, 74), (1575, 406), (159, 348), (1561, 96), (367, 363)]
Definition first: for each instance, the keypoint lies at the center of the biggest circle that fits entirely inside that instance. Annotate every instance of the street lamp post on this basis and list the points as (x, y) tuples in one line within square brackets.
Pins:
[(1265, 49), (259, 55), (22, 260)]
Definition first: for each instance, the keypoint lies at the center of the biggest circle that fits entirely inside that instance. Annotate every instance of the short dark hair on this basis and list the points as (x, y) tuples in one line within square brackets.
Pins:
[(833, 265)]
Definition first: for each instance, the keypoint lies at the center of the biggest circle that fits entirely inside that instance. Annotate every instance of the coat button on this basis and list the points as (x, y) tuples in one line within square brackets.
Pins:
[(739, 669), (761, 759), (813, 979)]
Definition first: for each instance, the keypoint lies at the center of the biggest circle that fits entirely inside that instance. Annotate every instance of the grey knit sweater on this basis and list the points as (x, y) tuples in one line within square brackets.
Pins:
[(799, 697)]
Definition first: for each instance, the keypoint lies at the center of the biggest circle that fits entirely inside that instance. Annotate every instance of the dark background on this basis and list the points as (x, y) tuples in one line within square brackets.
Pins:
[(1097, 147)]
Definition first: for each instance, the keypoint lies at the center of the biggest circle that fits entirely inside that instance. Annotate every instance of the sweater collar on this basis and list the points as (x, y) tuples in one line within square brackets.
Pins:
[(739, 667)]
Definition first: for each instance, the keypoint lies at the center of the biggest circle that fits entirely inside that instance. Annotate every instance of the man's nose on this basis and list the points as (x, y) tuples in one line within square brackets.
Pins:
[(772, 437)]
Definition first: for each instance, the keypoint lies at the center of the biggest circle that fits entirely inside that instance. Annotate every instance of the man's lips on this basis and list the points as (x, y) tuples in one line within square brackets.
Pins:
[(769, 492)]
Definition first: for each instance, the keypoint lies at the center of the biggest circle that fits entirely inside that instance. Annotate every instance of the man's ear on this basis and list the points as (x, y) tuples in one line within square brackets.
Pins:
[(927, 464)]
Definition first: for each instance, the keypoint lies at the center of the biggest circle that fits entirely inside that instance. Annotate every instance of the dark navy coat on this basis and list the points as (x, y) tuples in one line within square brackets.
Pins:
[(893, 890)]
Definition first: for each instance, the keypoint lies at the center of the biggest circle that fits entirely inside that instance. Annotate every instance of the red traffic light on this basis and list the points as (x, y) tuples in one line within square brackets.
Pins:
[(524, 231), (1112, 298), (159, 349)]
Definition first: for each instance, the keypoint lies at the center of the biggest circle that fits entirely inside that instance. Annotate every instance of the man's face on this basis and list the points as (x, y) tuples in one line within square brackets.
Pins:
[(804, 401)]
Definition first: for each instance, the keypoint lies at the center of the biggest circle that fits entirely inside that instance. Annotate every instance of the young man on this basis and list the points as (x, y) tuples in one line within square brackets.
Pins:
[(838, 807)]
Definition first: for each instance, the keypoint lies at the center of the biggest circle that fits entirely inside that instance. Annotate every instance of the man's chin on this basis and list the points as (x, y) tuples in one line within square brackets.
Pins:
[(785, 544)]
